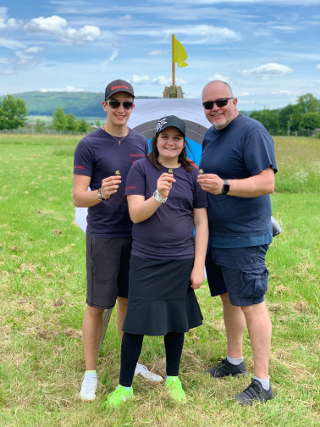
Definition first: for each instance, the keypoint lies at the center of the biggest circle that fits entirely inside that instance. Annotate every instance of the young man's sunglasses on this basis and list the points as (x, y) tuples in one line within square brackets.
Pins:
[(127, 105), (221, 102)]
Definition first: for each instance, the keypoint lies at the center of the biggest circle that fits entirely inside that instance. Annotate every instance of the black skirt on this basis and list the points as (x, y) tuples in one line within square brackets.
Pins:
[(160, 297)]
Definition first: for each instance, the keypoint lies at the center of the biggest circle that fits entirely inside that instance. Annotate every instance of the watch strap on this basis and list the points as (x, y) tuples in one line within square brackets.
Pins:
[(225, 187)]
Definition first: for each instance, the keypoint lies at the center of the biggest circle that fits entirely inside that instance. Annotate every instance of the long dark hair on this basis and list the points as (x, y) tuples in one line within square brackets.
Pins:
[(182, 159)]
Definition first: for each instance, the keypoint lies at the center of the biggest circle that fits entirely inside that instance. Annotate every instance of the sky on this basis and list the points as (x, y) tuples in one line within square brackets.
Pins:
[(268, 51)]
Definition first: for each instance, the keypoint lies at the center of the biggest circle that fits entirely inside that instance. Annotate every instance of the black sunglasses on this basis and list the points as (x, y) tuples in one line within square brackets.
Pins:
[(221, 102), (127, 105)]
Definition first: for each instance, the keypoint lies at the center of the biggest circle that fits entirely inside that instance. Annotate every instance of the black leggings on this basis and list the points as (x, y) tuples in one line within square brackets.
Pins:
[(131, 349)]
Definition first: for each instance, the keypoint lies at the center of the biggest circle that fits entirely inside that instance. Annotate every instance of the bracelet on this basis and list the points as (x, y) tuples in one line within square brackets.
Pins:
[(157, 196)]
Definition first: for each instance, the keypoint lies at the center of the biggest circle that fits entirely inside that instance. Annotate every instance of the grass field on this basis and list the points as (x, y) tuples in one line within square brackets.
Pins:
[(43, 287)]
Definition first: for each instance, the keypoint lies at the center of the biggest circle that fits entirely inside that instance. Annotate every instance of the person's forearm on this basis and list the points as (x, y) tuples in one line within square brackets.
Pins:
[(201, 244), (144, 210), (85, 199), (253, 186)]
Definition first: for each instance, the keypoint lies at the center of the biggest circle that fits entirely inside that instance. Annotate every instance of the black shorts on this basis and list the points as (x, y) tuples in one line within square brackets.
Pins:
[(107, 270), (241, 272)]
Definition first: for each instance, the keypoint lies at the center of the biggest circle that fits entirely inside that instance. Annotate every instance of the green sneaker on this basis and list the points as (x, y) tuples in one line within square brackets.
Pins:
[(118, 396), (175, 390)]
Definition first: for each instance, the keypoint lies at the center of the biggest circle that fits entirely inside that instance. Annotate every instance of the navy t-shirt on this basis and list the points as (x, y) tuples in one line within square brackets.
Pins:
[(168, 233), (243, 149), (98, 155)]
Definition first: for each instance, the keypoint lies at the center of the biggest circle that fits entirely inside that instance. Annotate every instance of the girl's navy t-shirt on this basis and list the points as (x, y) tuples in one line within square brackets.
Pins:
[(168, 233)]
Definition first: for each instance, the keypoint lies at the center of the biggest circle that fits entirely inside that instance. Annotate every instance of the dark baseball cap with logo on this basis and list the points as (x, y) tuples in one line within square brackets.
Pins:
[(171, 122), (118, 86)]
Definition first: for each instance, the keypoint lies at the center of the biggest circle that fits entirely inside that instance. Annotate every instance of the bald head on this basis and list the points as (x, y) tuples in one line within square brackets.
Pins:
[(216, 85)]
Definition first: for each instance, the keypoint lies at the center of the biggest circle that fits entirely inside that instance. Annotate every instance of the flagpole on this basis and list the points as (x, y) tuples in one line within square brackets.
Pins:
[(173, 63)]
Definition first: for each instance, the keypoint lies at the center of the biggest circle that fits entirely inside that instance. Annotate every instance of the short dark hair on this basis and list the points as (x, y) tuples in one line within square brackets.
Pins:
[(153, 156)]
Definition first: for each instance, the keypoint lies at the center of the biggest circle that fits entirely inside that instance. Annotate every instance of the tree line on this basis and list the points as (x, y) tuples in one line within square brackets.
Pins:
[(13, 115), (302, 118)]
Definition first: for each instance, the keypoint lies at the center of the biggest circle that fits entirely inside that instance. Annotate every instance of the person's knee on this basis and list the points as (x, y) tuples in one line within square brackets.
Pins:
[(122, 302), (94, 312), (225, 298), (255, 310)]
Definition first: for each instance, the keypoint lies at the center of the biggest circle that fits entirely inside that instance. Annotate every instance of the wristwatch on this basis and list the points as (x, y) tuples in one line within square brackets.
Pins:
[(226, 187), (100, 195), (157, 196)]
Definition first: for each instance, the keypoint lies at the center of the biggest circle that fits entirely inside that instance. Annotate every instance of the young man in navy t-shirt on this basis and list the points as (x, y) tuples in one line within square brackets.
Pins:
[(101, 163), (239, 164)]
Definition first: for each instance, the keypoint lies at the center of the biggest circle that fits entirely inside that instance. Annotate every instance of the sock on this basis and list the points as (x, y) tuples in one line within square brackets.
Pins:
[(91, 373), (235, 360), (265, 382)]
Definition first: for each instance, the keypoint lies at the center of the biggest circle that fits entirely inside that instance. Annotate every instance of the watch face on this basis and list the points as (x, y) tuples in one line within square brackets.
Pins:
[(225, 188)]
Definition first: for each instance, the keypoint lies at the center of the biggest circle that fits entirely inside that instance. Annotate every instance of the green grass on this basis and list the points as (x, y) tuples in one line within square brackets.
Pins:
[(43, 287)]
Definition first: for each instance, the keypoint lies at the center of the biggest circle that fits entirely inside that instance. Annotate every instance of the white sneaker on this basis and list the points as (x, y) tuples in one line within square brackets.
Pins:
[(88, 387), (148, 375)]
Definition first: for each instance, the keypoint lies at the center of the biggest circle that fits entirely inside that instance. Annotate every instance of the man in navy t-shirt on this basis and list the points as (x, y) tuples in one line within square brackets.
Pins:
[(239, 167), (101, 163)]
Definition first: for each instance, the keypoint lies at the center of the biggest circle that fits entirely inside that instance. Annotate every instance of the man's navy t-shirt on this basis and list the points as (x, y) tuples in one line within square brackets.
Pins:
[(98, 155), (168, 233), (243, 149)]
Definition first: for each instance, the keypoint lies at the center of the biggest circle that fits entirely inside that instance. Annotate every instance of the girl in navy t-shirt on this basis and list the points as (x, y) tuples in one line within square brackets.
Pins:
[(167, 260)]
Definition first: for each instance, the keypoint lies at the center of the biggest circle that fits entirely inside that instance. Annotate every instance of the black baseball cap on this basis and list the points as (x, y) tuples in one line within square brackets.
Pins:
[(171, 121), (118, 86)]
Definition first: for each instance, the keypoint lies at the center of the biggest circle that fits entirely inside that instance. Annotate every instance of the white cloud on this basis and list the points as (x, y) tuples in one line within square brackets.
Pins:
[(160, 80), (196, 34), (7, 23), (52, 24), (33, 49), (318, 66), (218, 76), (11, 44), (57, 26), (270, 69), (283, 92), (65, 89), (114, 55), (284, 28), (140, 78), (157, 52), (207, 33), (88, 33), (27, 56), (22, 58)]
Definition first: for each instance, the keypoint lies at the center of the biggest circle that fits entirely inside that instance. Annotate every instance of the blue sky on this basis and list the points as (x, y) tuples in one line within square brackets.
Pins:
[(267, 50)]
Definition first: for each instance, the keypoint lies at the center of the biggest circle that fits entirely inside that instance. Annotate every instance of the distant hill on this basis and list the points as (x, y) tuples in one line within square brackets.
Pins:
[(81, 104)]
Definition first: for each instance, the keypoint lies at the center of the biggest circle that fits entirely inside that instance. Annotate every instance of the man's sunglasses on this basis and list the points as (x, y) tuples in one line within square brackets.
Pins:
[(127, 105), (221, 102)]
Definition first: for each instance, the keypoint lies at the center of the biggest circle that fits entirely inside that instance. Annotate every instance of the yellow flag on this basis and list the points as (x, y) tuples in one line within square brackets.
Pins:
[(179, 54)]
